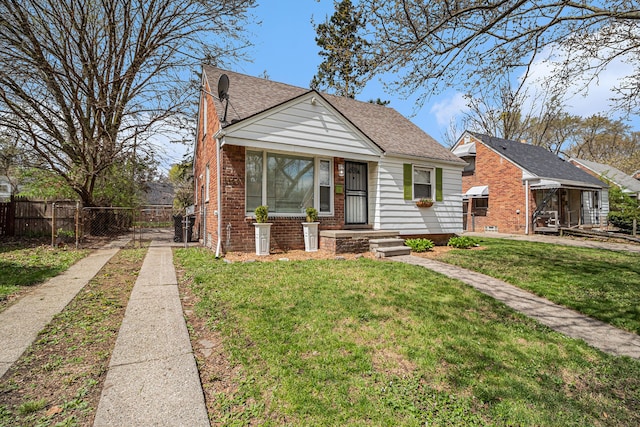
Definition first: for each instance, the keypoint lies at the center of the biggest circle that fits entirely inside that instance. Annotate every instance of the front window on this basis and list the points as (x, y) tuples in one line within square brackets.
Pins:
[(287, 184), (324, 181), (254, 180), (422, 188)]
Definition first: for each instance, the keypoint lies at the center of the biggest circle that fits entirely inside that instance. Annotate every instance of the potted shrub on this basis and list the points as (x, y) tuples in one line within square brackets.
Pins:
[(424, 203), (310, 230), (263, 230)]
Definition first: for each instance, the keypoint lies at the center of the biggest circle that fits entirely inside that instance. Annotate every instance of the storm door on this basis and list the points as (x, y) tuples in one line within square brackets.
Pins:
[(355, 191)]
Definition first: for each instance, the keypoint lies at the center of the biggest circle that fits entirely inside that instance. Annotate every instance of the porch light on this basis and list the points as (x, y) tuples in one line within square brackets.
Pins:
[(341, 169)]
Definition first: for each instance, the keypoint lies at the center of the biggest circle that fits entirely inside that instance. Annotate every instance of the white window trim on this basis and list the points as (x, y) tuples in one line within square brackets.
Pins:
[(316, 184), (316, 201), (432, 174)]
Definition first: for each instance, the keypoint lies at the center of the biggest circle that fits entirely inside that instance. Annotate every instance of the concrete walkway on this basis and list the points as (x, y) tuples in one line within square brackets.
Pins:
[(153, 379), (21, 322), (571, 323)]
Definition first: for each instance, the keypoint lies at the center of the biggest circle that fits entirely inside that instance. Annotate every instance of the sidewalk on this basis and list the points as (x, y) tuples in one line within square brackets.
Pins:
[(21, 322), (571, 323), (153, 379)]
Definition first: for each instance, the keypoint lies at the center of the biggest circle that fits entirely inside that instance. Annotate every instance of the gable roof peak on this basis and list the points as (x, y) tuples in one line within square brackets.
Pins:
[(383, 125)]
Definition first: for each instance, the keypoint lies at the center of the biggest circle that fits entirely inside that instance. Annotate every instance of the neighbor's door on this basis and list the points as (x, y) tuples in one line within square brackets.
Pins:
[(355, 191)]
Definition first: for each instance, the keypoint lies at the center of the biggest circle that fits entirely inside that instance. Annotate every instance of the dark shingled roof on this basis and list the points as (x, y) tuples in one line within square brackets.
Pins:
[(537, 160), (387, 128)]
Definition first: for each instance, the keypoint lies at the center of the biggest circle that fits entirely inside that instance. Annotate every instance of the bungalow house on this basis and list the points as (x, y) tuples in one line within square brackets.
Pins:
[(628, 184), (514, 187), (361, 165)]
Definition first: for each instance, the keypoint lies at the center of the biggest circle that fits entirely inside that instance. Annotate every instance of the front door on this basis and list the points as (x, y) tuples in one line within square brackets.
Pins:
[(355, 192)]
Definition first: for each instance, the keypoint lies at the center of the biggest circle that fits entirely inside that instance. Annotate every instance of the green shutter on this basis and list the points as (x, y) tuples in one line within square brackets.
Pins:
[(407, 180), (438, 184)]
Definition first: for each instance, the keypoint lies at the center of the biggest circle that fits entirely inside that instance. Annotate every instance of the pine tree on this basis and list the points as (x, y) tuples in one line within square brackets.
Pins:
[(343, 70)]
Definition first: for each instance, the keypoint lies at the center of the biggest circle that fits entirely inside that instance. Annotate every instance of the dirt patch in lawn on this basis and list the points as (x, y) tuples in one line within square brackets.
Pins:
[(58, 380)]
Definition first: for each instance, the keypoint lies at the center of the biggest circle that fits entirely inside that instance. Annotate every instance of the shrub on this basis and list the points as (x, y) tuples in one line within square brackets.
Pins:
[(262, 214), (419, 245), (312, 214), (462, 242)]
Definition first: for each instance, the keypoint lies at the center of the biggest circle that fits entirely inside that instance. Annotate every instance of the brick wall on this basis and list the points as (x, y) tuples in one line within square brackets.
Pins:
[(506, 192), (286, 233), (206, 155)]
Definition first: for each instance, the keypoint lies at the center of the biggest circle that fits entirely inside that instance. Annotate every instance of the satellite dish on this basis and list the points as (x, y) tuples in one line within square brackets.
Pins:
[(223, 93), (223, 87)]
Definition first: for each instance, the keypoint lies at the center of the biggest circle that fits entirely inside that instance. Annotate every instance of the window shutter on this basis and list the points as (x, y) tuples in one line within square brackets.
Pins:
[(438, 184), (407, 180)]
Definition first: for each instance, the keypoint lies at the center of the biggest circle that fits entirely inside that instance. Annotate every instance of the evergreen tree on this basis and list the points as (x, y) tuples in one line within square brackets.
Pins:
[(343, 70)]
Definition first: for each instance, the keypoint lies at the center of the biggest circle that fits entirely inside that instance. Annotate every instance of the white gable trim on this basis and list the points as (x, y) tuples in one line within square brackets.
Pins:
[(307, 124)]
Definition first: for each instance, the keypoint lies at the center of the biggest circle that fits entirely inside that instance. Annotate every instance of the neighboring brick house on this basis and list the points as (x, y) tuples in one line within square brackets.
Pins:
[(628, 184), (361, 165), (514, 187)]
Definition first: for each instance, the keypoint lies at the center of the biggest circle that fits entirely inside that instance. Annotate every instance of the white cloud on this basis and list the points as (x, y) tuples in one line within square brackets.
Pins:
[(449, 108), (580, 100)]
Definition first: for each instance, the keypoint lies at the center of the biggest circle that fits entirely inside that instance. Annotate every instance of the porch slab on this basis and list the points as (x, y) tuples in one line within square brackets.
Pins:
[(371, 234), (351, 241)]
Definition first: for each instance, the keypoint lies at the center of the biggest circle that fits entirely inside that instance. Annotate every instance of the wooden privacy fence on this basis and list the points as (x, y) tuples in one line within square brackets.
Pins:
[(28, 218)]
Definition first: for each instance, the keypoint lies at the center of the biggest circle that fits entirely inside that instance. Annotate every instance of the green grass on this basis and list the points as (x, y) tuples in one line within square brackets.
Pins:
[(28, 266), (327, 343), (600, 283)]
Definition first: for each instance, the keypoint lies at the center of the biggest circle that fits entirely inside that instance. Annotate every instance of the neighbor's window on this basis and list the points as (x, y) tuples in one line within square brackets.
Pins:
[(480, 206), (422, 183), (287, 184)]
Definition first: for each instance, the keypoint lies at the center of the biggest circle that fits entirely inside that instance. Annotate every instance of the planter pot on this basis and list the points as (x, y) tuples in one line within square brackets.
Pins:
[(263, 237), (310, 230), (424, 204)]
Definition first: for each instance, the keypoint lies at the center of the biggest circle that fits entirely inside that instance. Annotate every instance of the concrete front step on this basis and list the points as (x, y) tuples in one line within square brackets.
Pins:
[(385, 243), (391, 251)]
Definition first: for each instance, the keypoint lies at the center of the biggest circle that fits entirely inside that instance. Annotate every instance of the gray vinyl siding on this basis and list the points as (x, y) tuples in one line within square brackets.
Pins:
[(305, 128), (392, 212)]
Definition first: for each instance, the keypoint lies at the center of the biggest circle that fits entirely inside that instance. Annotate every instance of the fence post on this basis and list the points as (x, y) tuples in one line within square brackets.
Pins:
[(77, 224), (53, 224), (635, 224)]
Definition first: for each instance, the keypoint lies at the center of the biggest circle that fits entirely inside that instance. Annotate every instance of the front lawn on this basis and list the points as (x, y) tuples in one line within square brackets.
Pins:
[(23, 267), (599, 283), (368, 342)]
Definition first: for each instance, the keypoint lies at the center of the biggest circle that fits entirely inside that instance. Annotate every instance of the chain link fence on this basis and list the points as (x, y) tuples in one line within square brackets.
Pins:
[(69, 224)]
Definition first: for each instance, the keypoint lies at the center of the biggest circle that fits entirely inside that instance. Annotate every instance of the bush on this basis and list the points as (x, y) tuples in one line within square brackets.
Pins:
[(462, 242), (622, 221), (419, 245)]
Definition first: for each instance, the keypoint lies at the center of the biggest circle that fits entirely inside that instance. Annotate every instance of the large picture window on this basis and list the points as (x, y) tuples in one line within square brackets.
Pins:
[(287, 184)]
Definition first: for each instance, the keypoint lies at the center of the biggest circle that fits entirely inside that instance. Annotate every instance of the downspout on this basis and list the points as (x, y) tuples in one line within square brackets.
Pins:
[(219, 192), (526, 204)]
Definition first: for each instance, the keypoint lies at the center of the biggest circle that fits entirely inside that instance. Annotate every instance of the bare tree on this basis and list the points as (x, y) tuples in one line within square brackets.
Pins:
[(433, 45), (603, 140), (81, 81)]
